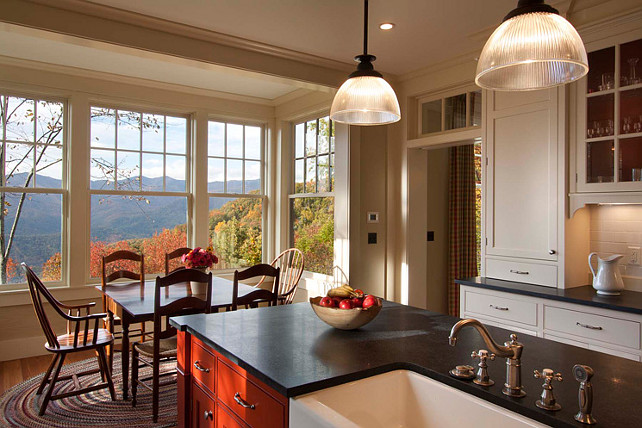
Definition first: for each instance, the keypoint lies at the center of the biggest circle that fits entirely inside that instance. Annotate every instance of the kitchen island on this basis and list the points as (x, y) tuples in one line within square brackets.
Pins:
[(286, 351)]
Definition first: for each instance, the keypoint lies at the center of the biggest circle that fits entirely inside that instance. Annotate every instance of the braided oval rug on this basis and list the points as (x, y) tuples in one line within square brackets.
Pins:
[(19, 405)]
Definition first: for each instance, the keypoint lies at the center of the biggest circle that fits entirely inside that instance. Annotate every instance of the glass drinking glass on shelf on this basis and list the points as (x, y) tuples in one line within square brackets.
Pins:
[(633, 78), (636, 174), (607, 81), (590, 133), (609, 127), (626, 125), (637, 126)]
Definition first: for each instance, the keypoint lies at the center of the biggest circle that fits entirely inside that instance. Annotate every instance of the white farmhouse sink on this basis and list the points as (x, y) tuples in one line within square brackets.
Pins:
[(398, 399)]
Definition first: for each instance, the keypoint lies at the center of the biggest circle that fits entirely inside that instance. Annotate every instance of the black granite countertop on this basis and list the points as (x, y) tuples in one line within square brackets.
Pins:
[(294, 352), (628, 301)]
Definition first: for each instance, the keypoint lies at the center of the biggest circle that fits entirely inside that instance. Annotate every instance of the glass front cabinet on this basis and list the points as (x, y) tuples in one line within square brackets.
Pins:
[(609, 119)]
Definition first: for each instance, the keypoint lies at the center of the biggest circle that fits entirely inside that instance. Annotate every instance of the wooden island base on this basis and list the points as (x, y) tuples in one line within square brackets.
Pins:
[(215, 392)]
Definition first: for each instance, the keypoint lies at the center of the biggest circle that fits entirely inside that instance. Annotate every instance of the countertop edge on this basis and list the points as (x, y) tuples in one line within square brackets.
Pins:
[(542, 295)]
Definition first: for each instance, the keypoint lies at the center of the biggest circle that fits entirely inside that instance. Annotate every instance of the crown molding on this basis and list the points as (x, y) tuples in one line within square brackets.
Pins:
[(468, 57), (158, 24)]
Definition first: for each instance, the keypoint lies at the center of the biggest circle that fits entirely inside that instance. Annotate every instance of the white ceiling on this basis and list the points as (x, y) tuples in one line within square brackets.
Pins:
[(427, 31)]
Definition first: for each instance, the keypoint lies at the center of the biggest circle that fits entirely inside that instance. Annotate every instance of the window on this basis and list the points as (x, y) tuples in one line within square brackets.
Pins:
[(478, 198), (139, 189), (33, 187), (312, 202), (460, 111), (235, 187)]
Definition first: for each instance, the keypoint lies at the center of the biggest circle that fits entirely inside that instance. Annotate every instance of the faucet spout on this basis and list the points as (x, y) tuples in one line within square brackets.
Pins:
[(498, 350), (511, 350)]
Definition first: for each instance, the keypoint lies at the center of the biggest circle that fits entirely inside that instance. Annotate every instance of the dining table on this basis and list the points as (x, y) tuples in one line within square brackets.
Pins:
[(133, 302)]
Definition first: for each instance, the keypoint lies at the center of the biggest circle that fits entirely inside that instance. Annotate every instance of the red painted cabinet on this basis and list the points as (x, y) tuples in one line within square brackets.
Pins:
[(215, 392)]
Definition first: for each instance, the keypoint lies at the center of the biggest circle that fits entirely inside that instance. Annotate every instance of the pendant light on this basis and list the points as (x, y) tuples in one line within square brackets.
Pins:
[(365, 98), (533, 48)]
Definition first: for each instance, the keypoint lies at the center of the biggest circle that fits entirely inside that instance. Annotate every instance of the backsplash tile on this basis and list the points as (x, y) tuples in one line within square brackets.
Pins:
[(614, 228)]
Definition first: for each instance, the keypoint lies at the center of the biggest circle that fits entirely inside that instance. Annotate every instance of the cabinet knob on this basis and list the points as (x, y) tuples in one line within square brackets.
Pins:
[(551, 252), (207, 415)]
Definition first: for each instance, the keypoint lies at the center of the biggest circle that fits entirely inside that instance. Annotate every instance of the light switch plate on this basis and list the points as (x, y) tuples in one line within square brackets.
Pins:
[(373, 217), (633, 256)]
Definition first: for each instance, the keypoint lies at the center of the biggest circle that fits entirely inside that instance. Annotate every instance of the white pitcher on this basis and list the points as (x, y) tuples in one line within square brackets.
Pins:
[(608, 280)]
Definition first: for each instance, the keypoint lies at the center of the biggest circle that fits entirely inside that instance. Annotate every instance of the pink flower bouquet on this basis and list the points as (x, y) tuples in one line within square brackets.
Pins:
[(199, 258)]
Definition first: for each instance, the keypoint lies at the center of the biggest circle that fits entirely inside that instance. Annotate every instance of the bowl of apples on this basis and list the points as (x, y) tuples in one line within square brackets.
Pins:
[(346, 308)]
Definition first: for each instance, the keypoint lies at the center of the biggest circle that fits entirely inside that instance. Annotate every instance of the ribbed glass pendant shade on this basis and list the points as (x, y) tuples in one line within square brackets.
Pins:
[(365, 100), (532, 51)]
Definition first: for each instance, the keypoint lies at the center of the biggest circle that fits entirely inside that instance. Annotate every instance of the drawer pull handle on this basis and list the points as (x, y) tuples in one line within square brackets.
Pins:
[(499, 308), (242, 402), (519, 272), (592, 327), (199, 368), (208, 415)]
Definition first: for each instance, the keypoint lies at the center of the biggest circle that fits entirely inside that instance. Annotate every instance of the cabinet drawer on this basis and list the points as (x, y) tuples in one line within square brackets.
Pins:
[(267, 412), (203, 366), (531, 273), (203, 408), (225, 420), (592, 326), (501, 307)]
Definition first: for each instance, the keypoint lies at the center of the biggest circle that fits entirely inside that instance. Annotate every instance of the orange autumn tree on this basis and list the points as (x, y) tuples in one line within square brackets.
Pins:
[(154, 248)]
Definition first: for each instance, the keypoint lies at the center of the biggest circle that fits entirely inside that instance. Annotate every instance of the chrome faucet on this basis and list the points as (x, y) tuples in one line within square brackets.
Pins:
[(512, 351)]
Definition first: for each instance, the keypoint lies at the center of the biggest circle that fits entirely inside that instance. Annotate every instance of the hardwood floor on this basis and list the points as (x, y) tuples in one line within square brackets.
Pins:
[(15, 371)]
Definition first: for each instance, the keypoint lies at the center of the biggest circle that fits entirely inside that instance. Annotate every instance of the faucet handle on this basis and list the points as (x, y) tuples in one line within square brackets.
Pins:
[(483, 354), (548, 375), (547, 400)]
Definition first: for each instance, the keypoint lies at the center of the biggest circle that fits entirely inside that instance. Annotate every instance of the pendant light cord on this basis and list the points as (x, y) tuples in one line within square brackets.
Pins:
[(365, 27)]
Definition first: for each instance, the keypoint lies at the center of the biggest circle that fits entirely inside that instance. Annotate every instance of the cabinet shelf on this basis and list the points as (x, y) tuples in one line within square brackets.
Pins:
[(598, 93)]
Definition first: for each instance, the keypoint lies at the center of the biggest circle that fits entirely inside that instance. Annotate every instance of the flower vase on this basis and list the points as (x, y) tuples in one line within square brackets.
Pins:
[(199, 287)]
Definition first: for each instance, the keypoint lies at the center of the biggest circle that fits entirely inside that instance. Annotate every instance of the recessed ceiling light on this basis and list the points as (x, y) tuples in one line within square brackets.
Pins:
[(386, 26)]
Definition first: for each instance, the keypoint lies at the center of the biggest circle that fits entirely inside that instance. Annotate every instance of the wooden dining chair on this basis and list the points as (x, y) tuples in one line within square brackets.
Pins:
[(121, 261), (259, 295), (163, 346), (177, 253), (291, 263), (83, 334)]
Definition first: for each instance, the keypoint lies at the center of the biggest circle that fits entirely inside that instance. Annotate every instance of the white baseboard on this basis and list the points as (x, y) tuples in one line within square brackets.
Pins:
[(22, 348)]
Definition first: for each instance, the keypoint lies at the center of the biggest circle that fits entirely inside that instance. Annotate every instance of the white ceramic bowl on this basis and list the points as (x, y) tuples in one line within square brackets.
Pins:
[(345, 319)]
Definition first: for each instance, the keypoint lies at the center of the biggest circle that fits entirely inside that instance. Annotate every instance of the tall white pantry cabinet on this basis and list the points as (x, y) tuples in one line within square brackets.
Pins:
[(527, 236)]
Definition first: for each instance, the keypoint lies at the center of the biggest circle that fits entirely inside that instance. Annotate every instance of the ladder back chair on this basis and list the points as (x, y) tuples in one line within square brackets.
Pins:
[(177, 253), (259, 295), (83, 334), (291, 263), (163, 345), (122, 261)]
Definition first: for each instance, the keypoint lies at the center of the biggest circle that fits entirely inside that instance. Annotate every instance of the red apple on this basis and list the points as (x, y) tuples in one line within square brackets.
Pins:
[(337, 301), (327, 302), (369, 301), (359, 292), (346, 304), (357, 302)]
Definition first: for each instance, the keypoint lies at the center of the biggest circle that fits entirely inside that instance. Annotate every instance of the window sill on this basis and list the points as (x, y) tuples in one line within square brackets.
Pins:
[(22, 297)]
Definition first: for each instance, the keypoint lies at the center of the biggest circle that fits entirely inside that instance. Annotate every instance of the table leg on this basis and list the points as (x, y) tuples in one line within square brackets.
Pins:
[(125, 357), (110, 348)]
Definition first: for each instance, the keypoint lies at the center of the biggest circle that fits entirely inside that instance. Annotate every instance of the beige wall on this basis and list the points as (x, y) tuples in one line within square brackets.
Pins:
[(437, 221)]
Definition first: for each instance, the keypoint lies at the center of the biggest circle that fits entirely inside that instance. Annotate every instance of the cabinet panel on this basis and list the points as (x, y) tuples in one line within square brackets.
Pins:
[(592, 326), (203, 366), (499, 307), (225, 420), (238, 393), (203, 409), (519, 271), (522, 179)]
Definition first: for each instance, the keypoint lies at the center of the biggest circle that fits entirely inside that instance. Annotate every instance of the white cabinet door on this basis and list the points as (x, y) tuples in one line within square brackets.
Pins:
[(523, 137)]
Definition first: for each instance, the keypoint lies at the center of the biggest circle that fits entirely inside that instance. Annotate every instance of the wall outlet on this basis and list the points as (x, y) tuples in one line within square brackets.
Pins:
[(633, 256)]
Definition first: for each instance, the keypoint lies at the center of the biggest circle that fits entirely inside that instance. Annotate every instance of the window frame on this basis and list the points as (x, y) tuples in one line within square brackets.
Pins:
[(263, 196), (292, 179), (442, 96), (189, 167), (64, 185)]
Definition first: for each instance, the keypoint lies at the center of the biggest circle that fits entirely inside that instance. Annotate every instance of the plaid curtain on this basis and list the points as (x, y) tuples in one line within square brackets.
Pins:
[(462, 246)]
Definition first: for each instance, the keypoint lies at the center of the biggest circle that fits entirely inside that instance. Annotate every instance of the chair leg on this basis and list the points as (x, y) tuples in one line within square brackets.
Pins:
[(45, 378), (102, 362), (134, 375), (45, 400), (155, 387)]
